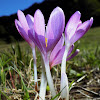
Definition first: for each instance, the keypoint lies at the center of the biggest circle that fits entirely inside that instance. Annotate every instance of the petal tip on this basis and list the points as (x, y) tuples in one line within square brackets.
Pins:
[(91, 21), (19, 11), (78, 12), (58, 8), (38, 11), (15, 20), (78, 50), (91, 18)]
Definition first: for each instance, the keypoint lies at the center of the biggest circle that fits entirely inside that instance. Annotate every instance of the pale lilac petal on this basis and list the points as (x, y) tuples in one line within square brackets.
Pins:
[(55, 27), (17, 22), (81, 30), (30, 21), (71, 49), (73, 55), (57, 48), (80, 22), (39, 40), (58, 57), (91, 21), (72, 25), (39, 23), (56, 23), (22, 20), (22, 32)]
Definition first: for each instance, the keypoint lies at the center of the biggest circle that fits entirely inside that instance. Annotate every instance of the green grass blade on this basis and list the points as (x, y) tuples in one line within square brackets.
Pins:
[(70, 86), (4, 95), (26, 95), (57, 94)]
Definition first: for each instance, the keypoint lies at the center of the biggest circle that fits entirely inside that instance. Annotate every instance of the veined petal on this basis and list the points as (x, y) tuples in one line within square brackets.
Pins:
[(56, 23), (55, 27), (57, 48), (73, 55), (81, 30), (22, 20), (30, 21), (72, 24), (59, 55), (22, 32), (58, 58), (39, 40), (39, 23)]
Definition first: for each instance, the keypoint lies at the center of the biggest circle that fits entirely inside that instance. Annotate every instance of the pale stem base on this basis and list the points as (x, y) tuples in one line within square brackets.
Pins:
[(35, 68), (43, 84), (49, 77)]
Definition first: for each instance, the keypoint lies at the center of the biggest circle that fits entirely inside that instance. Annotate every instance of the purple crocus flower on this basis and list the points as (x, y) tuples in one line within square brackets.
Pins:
[(23, 24), (46, 40), (57, 53), (74, 30)]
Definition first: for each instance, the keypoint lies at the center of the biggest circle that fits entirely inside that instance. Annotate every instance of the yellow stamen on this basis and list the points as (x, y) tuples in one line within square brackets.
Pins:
[(46, 41)]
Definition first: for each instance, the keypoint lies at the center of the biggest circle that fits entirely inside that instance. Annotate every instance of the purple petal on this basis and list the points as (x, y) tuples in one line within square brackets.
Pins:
[(30, 21), (22, 20), (39, 41), (39, 23), (57, 48), (81, 30), (71, 49), (56, 23), (73, 55), (58, 57), (72, 24), (22, 32), (17, 22), (91, 21), (55, 27)]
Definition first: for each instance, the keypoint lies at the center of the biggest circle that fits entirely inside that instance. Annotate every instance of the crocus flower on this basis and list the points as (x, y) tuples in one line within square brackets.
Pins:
[(46, 40), (23, 24), (74, 30)]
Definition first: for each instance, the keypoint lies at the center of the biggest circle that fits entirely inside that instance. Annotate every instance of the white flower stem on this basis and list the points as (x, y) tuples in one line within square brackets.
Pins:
[(49, 77), (43, 84), (63, 64), (64, 80), (35, 68), (64, 87)]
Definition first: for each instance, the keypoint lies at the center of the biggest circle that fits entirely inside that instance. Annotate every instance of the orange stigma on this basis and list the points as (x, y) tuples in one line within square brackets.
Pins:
[(46, 41)]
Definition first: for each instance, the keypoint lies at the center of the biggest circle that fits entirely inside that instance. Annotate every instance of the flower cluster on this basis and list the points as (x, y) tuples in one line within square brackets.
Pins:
[(50, 41)]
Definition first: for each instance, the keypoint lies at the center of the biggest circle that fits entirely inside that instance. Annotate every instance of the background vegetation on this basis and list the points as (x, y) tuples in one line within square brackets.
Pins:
[(16, 64)]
